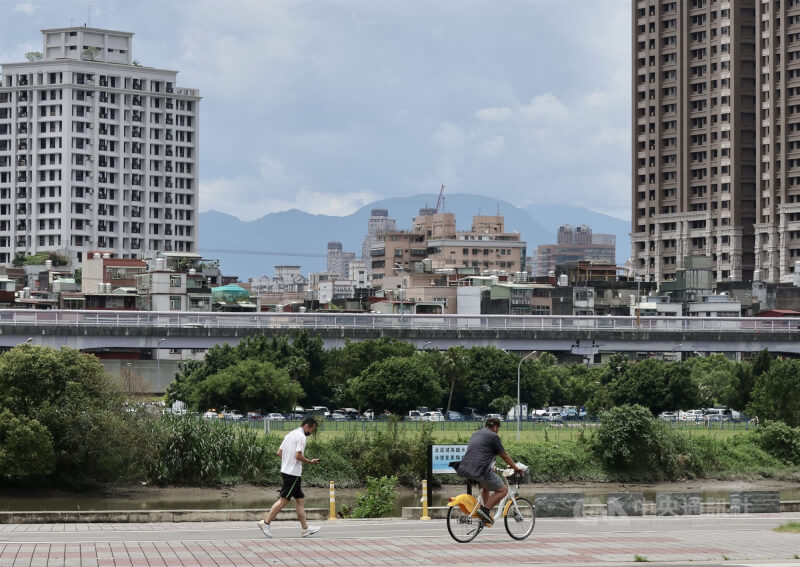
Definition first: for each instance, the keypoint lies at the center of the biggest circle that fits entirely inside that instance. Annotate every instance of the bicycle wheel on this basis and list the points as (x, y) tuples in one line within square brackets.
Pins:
[(520, 519), (461, 526)]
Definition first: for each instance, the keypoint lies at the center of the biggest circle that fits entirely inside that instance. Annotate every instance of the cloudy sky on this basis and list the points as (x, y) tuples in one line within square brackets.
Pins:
[(326, 105)]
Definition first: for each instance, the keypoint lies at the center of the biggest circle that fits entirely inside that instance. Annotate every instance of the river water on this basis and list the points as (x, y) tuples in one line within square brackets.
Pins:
[(253, 497)]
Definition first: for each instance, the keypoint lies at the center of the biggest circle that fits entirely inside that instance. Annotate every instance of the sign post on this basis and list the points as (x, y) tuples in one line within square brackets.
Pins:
[(439, 459)]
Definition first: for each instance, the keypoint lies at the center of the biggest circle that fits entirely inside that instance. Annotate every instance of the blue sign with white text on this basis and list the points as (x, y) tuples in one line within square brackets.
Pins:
[(443, 455)]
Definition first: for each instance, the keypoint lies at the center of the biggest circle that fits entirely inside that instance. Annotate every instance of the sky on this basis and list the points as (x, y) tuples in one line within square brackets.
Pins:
[(328, 105)]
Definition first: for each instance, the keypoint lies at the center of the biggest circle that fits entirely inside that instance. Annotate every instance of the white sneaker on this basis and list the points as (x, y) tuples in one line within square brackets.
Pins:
[(310, 530), (264, 526)]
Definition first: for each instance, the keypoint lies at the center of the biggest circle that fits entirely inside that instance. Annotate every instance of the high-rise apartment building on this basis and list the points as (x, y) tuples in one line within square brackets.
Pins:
[(698, 129), (379, 222), (777, 227), (97, 152), (339, 262)]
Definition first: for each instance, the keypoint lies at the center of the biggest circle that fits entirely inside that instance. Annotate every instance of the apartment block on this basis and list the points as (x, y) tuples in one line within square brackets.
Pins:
[(379, 222), (96, 151), (434, 244), (697, 132)]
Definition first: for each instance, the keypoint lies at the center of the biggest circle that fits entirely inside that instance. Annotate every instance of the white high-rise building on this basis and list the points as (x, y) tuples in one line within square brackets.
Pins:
[(97, 152)]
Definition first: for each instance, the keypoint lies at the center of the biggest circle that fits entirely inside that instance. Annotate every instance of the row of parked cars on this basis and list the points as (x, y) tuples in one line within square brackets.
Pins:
[(705, 414)]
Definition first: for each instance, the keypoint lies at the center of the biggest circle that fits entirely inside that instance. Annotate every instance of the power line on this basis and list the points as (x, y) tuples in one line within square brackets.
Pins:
[(261, 253)]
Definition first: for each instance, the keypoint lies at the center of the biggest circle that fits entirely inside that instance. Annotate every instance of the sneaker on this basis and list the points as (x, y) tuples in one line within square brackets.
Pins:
[(310, 530), (484, 515), (264, 527)]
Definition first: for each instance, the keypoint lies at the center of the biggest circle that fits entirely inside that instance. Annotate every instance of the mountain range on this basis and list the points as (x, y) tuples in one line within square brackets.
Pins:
[(253, 248)]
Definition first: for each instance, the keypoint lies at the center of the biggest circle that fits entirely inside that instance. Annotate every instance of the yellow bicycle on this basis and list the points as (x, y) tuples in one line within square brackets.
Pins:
[(518, 514)]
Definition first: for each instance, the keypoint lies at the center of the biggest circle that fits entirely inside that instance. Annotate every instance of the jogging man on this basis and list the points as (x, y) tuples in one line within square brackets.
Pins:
[(482, 451), (292, 459)]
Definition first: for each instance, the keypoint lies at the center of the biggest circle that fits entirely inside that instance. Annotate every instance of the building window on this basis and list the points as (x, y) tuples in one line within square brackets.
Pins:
[(174, 281), (175, 303)]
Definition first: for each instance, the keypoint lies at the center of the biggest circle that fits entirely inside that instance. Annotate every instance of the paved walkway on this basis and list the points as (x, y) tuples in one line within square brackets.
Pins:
[(724, 539)]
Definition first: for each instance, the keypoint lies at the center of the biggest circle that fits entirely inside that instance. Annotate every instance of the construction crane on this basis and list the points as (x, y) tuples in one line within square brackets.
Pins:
[(440, 202)]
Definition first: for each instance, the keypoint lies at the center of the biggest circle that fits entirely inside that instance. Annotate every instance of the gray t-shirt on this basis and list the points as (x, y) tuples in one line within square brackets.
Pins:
[(484, 446)]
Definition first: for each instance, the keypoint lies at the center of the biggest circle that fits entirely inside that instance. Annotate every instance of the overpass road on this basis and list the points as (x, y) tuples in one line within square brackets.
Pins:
[(730, 540)]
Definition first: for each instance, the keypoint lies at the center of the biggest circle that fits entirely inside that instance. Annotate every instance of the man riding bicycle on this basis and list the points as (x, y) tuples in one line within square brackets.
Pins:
[(484, 447)]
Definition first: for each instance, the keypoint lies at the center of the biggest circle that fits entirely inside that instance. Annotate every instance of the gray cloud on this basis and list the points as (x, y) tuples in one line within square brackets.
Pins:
[(324, 106)]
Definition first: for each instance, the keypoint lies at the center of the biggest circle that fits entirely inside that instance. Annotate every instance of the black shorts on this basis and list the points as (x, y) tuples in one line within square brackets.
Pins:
[(292, 487)]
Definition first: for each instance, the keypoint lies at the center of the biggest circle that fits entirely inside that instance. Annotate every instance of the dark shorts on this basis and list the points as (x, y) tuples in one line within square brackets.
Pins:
[(291, 487), (490, 482)]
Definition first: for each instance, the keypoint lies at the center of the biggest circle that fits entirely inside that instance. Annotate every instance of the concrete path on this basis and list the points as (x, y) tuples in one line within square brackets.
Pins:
[(719, 540)]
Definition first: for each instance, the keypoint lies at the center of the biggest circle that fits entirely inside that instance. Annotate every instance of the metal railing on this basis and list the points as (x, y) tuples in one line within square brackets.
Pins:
[(311, 321)]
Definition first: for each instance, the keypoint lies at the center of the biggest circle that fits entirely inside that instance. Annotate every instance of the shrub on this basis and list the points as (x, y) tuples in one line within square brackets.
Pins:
[(781, 441), (378, 500), (630, 441)]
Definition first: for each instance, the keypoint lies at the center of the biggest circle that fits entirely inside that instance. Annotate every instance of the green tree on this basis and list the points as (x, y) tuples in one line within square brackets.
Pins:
[(644, 384), (492, 373), (503, 404), (26, 447), (247, 386), (715, 377), (398, 384), (777, 393), (71, 395)]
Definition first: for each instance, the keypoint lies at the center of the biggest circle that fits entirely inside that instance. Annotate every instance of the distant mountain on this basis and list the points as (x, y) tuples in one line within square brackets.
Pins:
[(254, 248)]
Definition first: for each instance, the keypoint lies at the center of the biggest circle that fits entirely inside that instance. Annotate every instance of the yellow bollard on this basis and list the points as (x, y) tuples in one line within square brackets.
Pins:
[(424, 515), (332, 514)]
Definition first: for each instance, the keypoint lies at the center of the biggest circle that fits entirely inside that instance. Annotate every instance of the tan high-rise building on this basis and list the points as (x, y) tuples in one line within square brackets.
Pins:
[(696, 138), (777, 228)]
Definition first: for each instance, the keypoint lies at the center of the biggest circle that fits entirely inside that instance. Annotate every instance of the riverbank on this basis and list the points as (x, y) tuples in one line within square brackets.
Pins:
[(249, 497)]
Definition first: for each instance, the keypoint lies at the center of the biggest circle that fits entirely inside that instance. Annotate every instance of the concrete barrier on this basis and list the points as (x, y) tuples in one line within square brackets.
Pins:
[(625, 504), (755, 502), (559, 505), (678, 503), (147, 516)]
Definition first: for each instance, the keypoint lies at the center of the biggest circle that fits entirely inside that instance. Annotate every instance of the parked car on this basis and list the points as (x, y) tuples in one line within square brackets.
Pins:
[(495, 415), (414, 415), (339, 415), (234, 415), (320, 410), (454, 416), (569, 413), (717, 414), (432, 416), (254, 415), (538, 414), (552, 416), (668, 415), (351, 413), (693, 415), (210, 414), (471, 414), (274, 416), (368, 414)]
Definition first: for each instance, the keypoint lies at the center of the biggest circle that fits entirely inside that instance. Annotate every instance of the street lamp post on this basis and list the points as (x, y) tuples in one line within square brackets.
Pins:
[(402, 294), (519, 406), (158, 360)]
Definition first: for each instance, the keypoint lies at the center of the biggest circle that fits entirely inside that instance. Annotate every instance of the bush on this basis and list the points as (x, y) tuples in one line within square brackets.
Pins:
[(378, 500), (630, 441), (781, 441), (557, 462)]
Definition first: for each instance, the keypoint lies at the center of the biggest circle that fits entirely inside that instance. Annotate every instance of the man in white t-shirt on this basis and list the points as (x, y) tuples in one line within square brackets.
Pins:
[(292, 459)]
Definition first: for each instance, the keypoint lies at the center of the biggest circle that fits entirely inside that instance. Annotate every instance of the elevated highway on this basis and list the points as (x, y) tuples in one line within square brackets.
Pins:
[(586, 336)]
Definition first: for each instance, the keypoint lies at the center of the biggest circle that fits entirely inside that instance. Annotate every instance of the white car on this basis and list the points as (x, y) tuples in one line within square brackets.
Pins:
[(275, 417), (210, 414), (693, 415), (368, 414), (495, 415), (432, 416)]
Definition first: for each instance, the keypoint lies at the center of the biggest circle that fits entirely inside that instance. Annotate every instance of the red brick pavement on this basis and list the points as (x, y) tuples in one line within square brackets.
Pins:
[(390, 543)]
